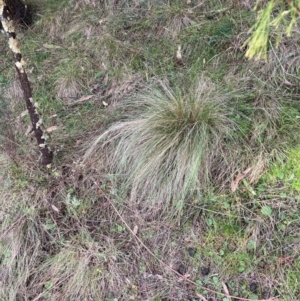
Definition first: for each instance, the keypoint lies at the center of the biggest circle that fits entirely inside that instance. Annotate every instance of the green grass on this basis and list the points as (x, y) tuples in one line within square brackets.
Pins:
[(287, 172), (162, 140)]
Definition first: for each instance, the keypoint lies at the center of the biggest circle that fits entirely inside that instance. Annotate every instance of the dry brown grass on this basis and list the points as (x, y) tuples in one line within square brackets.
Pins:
[(89, 269), (57, 249), (242, 4)]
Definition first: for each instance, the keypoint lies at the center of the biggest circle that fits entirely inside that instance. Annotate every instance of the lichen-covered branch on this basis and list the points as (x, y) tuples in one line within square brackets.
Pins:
[(36, 119), (19, 12)]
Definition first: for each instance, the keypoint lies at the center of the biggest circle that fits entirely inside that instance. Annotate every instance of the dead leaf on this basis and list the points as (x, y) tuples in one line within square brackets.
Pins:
[(128, 280), (105, 103), (201, 297), (23, 114), (178, 53), (135, 230), (29, 130), (81, 99), (184, 277), (285, 260), (289, 84), (50, 46), (241, 176), (226, 291), (52, 129), (55, 208)]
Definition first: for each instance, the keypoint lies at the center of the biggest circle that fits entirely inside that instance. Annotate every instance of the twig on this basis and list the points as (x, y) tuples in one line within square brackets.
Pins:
[(201, 297)]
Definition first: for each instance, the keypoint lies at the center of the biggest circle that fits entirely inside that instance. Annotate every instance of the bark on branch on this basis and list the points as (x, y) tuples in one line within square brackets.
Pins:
[(19, 12), (7, 21)]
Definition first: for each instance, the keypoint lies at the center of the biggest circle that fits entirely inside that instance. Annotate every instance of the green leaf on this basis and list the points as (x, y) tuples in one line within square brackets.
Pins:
[(75, 202), (209, 222), (248, 187), (241, 269), (280, 175), (266, 211), (252, 244), (49, 226), (48, 285), (226, 205)]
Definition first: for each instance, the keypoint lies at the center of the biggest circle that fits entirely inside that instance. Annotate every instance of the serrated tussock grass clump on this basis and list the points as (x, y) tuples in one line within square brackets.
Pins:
[(176, 143)]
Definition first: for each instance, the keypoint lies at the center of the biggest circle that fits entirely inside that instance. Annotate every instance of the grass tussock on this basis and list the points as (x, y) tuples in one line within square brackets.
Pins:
[(177, 143), (80, 270), (70, 77), (20, 253)]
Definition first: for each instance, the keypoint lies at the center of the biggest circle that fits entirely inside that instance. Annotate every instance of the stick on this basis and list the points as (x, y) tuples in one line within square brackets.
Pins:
[(36, 120)]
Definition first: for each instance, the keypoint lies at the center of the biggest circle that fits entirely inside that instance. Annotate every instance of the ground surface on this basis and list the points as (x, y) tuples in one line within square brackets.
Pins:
[(73, 232)]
